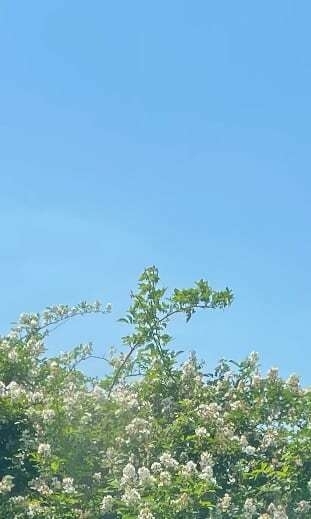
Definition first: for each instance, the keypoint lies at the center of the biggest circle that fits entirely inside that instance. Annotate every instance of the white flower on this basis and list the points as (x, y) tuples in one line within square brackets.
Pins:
[(129, 475), (189, 368), (48, 414), (157, 467), (44, 449), (236, 404), (206, 464), (228, 433), (138, 428), (249, 450), (68, 485), (6, 484), (39, 484), (145, 514), (33, 509), (200, 431), (277, 512), (189, 468), (98, 391), (253, 358), (303, 507), (273, 374), (208, 475), (106, 504), (256, 380), (209, 411), (269, 439), (168, 461), (125, 397), (145, 477), (243, 441), (2, 389), (164, 478), (249, 507), (18, 500), (36, 396), (181, 502), (293, 381), (224, 503), (97, 476), (231, 479), (131, 496), (12, 355), (206, 460), (14, 389)]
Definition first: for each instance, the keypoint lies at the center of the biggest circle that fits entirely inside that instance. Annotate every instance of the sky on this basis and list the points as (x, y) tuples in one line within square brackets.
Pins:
[(169, 133)]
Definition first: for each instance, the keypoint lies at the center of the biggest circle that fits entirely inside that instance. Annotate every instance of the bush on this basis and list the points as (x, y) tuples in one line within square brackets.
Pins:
[(154, 438)]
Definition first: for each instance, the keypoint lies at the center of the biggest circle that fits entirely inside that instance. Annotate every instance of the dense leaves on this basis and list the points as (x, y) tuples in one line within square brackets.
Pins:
[(154, 438)]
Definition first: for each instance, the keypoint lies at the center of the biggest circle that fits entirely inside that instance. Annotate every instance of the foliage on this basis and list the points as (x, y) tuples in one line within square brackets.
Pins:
[(154, 438)]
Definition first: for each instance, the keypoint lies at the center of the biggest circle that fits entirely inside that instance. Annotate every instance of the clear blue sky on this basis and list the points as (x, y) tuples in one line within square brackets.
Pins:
[(173, 133)]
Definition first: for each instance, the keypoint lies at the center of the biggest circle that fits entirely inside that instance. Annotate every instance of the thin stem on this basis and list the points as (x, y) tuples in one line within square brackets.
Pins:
[(61, 320), (152, 328)]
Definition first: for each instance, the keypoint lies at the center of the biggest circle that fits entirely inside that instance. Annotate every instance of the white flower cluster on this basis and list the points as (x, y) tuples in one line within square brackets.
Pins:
[(131, 497), (168, 462), (6, 484), (138, 428), (68, 486), (249, 508), (44, 449), (207, 464), (13, 390), (129, 475), (145, 514), (224, 503), (126, 397), (107, 504), (211, 411), (145, 477)]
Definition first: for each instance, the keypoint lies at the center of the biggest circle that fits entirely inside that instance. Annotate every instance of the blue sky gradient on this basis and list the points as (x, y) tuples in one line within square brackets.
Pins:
[(169, 133)]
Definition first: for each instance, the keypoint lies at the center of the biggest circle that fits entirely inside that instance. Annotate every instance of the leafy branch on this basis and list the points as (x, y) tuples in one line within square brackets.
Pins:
[(151, 311)]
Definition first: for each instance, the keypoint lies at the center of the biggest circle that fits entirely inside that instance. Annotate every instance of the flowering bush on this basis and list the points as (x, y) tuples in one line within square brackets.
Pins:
[(154, 438)]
